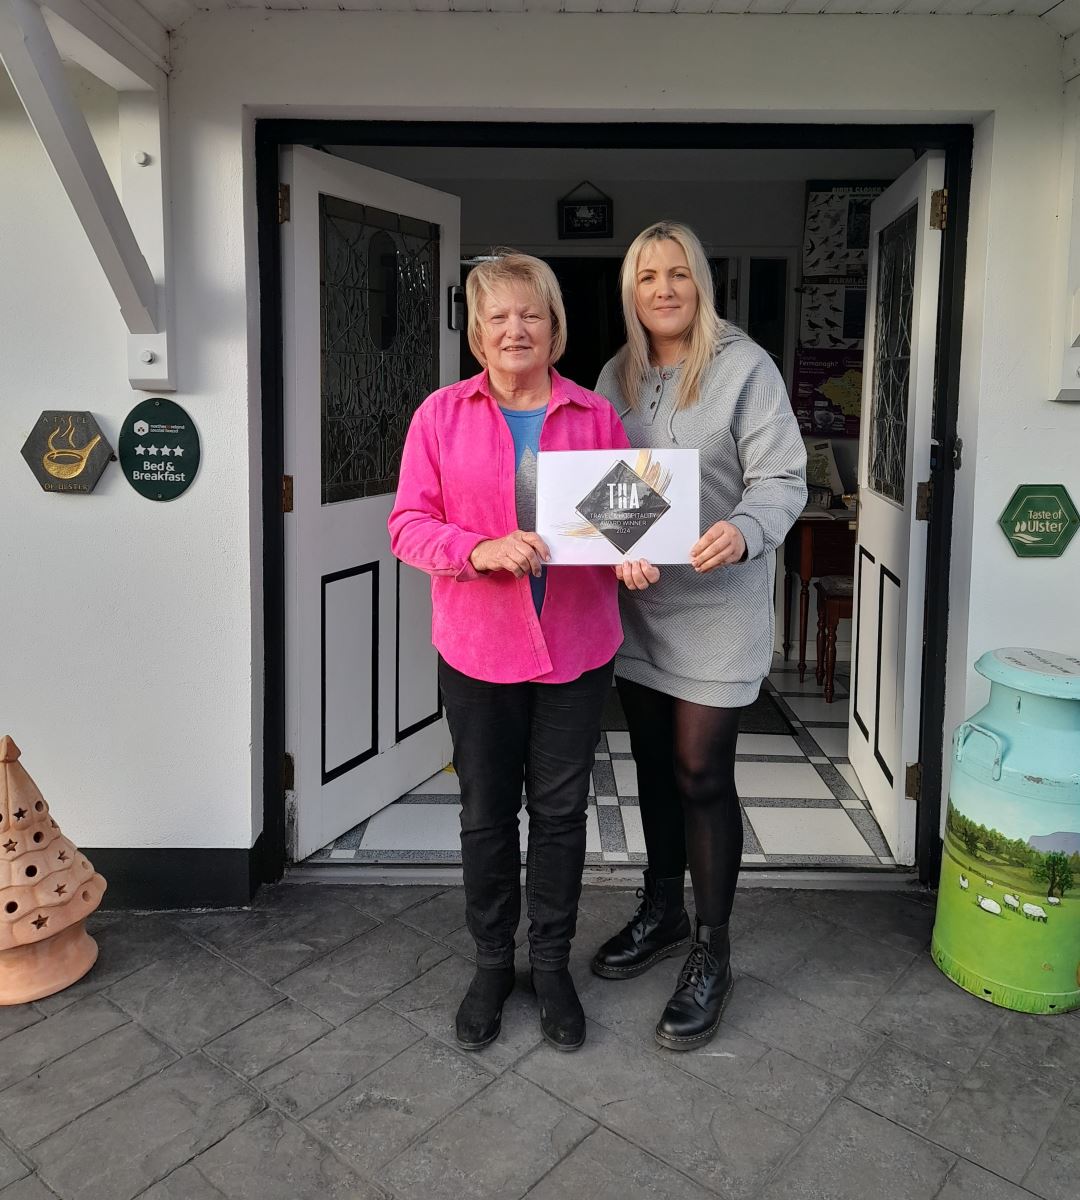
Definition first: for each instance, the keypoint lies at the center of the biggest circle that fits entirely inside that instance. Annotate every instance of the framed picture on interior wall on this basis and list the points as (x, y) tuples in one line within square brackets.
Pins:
[(836, 233), (827, 395), (585, 212), (833, 313)]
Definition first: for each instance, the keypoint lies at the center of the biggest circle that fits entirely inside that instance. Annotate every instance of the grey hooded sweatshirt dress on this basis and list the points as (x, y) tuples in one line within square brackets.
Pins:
[(709, 638)]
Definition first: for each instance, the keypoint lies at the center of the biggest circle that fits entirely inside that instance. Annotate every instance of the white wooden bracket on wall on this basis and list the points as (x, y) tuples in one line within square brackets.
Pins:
[(1065, 330), (128, 230)]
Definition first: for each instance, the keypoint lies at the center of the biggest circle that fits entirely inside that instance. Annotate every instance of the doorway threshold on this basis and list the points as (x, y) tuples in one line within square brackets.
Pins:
[(884, 879)]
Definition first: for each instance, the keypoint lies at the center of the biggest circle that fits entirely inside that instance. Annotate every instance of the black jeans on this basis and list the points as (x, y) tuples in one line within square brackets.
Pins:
[(543, 735)]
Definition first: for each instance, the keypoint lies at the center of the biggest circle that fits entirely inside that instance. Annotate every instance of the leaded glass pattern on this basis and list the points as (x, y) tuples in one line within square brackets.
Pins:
[(892, 356), (380, 341)]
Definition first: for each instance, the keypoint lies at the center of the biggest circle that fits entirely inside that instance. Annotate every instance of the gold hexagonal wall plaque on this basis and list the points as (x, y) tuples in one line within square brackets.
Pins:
[(67, 451)]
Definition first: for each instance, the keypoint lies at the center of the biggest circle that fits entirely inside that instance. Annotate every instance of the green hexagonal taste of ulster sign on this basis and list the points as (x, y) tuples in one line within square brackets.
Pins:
[(1040, 520)]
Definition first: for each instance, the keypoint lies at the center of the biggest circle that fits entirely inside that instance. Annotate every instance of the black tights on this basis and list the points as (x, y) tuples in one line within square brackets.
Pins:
[(685, 756)]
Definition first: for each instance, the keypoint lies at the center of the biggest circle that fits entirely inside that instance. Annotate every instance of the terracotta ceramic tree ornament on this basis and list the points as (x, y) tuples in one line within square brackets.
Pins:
[(47, 890)]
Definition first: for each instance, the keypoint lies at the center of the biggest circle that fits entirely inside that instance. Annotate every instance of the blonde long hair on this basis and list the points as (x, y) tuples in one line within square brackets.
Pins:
[(700, 340)]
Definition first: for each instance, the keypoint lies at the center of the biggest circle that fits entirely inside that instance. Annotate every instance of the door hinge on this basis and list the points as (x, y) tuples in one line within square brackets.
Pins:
[(288, 773), (939, 208), (284, 203), (924, 497), (913, 781), (286, 493)]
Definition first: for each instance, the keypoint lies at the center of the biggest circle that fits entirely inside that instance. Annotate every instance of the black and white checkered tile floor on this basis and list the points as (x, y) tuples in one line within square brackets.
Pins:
[(802, 804)]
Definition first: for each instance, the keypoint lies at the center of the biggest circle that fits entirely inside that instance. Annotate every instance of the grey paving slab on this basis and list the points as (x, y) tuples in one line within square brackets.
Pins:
[(968, 1182), (227, 929), (330, 1065), (769, 942), (268, 1038), (37, 1106), (295, 939), (30, 1188), (438, 916), (375, 1120), (431, 1002), (494, 1147), (56, 1036), (1055, 1173), (928, 1013), (123, 1146), (846, 974), (267, 1158), (852, 1154), (1052, 1042), (124, 945), (382, 901), (1000, 1114), (607, 1167), (11, 1166), (720, 1141), (894, 918), (786, 1088), (630, 1007), (346, 981), (817, 1037), (727, 1059), (185, 1183), (907, 1087), (191, 997), (14, 1017)]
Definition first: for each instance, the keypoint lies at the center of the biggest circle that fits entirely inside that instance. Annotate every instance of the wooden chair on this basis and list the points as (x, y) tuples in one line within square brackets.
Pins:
[(835, 594)]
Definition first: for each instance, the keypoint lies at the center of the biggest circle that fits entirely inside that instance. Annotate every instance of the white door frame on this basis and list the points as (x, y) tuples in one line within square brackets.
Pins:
[(459, 127), (883, 739)]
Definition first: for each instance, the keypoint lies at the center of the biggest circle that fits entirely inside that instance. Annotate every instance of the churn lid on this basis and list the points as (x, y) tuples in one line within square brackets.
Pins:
[(1041, 672)]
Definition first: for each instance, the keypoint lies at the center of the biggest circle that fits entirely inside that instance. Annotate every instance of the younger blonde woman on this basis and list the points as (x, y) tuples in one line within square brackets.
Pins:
[(698, 643)]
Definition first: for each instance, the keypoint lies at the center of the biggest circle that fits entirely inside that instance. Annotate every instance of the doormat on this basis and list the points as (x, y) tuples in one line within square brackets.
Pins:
[(763, 716)]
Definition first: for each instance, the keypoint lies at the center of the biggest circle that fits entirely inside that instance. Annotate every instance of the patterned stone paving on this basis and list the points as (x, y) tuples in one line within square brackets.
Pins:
[(303, 1049)]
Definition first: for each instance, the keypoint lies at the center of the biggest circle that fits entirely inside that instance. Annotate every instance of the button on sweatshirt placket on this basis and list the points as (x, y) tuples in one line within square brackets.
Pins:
[(660, 381)]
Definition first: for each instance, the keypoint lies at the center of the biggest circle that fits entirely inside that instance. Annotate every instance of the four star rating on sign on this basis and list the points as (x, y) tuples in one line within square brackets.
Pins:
[(153, 451)]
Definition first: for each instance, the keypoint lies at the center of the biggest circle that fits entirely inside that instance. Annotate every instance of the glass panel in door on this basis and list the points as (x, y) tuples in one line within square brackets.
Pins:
[(379, 299)]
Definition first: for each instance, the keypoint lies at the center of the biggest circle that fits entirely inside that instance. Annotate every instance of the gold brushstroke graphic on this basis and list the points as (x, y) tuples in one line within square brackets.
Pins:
[(66, 462), (656, 476)]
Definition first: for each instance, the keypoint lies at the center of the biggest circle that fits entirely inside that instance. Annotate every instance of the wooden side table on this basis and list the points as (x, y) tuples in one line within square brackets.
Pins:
[(835, 594), (821, 542)]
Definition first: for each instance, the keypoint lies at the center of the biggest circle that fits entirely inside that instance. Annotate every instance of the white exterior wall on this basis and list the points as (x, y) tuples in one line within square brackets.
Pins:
[(165, 596)]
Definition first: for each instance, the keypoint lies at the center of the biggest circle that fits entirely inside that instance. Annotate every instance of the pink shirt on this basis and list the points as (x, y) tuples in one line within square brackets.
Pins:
[(457, 489)]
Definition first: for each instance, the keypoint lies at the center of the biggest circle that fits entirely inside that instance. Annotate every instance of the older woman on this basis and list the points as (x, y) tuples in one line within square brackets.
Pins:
[(697, 645), (525, 649)]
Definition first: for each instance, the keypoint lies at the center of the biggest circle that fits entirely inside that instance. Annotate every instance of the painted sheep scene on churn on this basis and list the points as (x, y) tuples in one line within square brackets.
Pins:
[(1019, 913)]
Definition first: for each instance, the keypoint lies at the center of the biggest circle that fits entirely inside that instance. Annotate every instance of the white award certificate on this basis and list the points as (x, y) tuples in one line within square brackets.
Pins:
[(610, 506)]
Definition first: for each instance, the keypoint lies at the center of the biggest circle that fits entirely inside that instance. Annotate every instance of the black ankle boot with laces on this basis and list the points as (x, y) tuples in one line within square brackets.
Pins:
[(693, 1013), (658, 929)]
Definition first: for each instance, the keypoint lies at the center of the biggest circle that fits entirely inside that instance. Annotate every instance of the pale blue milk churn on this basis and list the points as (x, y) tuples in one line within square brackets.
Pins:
[(1008, 913)]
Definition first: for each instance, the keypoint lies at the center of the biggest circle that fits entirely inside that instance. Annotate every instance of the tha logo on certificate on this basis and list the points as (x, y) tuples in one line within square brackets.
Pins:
[(604, 506), (623, 507)]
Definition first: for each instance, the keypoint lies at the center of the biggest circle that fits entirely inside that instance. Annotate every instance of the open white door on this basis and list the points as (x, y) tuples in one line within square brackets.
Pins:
[(367, 264), (894, 460)]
